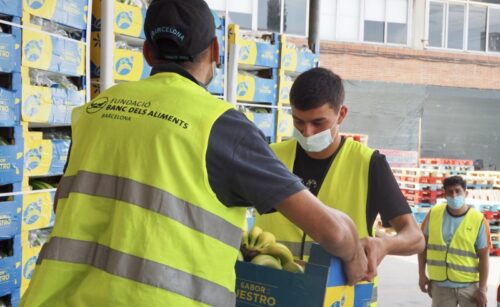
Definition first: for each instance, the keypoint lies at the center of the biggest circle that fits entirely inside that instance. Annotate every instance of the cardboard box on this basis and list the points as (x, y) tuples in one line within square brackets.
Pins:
[(295, 59), (255, 53), (52, 53), (10, 106), (285, 124), (10, 214), (128, 19), (217, 85), (10, 49), (266, 122), (322, 284), (72, 13), (12, 158), (29, 258), (12, 8), (44, 157), (255, 89), (10, 266), (42, 104), (129, 65), (38, 210)]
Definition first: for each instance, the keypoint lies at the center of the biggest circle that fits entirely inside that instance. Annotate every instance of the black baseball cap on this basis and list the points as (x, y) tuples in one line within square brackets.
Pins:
[(179, 29)]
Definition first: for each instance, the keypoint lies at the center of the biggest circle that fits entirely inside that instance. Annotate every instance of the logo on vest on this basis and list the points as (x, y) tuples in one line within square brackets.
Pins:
[(97, 105)]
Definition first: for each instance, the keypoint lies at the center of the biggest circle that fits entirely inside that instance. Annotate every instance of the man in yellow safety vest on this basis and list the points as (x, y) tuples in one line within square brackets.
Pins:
[(457, 249), (151, 207), (342, 173)]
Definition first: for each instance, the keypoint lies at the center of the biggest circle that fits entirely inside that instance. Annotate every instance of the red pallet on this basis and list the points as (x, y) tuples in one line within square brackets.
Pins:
[(420, 200), (425, 193), (421, 179), (495, 252)]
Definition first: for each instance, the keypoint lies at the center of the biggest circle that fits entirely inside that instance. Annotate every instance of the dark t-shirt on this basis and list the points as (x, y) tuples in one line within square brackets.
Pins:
[(242, 169), (384, 195)]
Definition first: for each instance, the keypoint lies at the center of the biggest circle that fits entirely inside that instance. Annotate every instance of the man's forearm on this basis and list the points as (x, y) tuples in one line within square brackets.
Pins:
[(422, 259), (483, 268), (409, 239)]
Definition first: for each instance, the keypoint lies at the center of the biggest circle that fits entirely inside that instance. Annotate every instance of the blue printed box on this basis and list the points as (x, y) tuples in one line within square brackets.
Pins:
[(266, 122), (10, 108), (38, 210), (255, 53), (56, 54), (60, 149), (255, 89), (13, 252), (10, 217), (72, 13), (11, 297), (11, 7), (322, 284), (10, 283), (11, 158), (10, 50), (128, 19)]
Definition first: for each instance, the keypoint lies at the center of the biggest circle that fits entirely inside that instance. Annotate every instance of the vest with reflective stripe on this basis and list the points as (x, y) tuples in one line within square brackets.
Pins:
[(457, 262), (345, 188), (137, 222)]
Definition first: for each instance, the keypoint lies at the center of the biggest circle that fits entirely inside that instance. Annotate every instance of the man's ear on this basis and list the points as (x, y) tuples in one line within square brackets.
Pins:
[(148, 53), (215, 51)]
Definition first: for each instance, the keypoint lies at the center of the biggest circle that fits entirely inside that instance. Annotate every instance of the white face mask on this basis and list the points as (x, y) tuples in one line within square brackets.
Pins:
[(214, 73), (317, 142)]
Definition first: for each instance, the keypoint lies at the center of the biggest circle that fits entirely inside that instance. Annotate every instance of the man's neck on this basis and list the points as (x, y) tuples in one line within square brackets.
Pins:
[(327, 152), (458, 213)]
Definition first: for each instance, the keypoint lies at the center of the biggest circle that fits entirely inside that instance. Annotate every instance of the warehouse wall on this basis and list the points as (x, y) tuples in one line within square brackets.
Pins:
[(456, 123), (404, 65)]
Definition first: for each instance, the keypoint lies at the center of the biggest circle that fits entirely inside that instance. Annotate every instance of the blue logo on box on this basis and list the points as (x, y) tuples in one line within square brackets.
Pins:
[(36, 4), (32, 212), (244, 53), (124, 66), (287, 60), (242, 89), (124, 20), (33, 50), (29, 267), (33, 157), (32, 105)]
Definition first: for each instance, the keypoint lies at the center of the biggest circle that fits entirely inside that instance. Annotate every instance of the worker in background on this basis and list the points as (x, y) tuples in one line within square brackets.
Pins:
[(152, 204), (343, 174), (456, 255)]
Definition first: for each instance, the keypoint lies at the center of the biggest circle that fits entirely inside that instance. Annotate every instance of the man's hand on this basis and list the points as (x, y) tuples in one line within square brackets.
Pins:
[(375, 250), (425, 284), (480, 297), (355, 269)]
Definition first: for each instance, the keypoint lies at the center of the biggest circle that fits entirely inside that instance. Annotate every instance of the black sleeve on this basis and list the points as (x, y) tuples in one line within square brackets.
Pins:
[(384, 194), (242, 169)]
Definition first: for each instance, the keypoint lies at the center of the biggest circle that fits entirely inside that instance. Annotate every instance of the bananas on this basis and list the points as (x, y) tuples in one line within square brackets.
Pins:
[(279, 251), (260, 247), (267, 260), (254, 235)]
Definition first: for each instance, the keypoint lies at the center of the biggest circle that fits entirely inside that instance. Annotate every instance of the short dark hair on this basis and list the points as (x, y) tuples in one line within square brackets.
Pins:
[(454, 180), (316, 87)]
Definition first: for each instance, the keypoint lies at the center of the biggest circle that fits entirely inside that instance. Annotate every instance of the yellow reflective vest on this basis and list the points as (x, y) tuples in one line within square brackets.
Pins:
[(345, 188), (459, 261), (137, 222)]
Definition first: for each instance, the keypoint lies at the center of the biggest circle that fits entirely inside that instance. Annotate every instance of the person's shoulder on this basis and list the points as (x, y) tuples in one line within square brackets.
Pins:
[(358, 148)]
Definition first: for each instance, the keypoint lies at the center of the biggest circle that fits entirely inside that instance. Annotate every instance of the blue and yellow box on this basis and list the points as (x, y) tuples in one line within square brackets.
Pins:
[(10, 282), (129, 65), (52, 53), (294, 59), (252, 88), (217, 85), (10, 213), (11, 156), (29, 256), (44, 157), (11, 7), (284, 125), (11, 297), (38, 210), (128, 19), (10, 103), (48, 105), (10, 49), (72, 13), (253, 52), (284, 86), (322, 285), (264, 121)]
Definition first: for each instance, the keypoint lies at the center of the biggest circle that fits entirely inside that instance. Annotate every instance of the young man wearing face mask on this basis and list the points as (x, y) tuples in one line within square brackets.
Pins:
[(344, 174), (456, 256)]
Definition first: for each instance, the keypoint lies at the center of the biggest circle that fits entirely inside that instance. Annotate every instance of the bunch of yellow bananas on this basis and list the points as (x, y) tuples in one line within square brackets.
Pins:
[(260, 247)]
